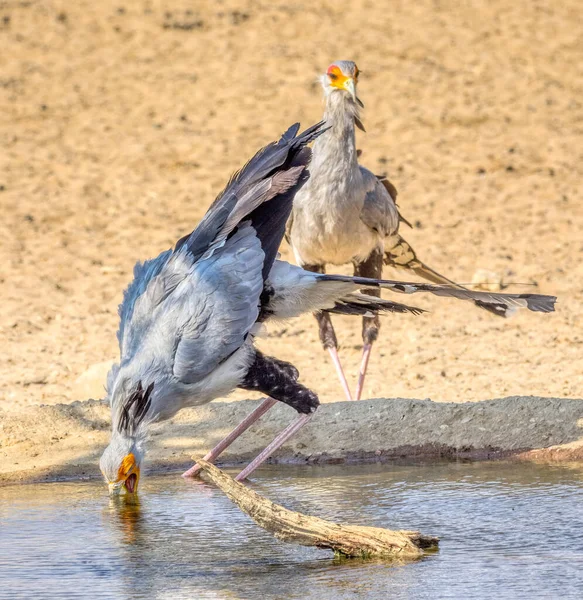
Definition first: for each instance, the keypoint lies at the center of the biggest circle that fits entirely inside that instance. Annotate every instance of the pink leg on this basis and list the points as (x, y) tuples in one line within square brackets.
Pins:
[(241, 428), (277, 443), (341, 376), (363, 366)]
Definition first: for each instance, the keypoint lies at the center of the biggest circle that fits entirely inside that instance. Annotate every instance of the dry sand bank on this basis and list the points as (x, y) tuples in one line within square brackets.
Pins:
[(121, 121), (63, 441)]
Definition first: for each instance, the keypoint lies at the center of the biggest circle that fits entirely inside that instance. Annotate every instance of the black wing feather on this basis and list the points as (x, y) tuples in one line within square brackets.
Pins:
[(276, 156)]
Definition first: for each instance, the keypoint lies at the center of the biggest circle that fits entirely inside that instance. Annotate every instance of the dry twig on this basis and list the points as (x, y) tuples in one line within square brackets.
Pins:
[(297, 528)]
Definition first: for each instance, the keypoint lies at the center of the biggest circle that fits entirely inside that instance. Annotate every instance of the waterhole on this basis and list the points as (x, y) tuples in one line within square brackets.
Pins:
[(508, 530)]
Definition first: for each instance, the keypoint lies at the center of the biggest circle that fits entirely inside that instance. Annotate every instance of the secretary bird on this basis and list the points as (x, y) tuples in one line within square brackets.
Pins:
[(189, 318), (345, 214)]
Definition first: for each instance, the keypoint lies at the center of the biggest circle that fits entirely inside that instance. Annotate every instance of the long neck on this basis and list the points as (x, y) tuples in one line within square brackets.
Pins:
[(337, 146)]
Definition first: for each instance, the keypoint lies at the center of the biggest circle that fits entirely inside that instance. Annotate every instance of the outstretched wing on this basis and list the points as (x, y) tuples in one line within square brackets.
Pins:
[(275, 172), (272, 176)]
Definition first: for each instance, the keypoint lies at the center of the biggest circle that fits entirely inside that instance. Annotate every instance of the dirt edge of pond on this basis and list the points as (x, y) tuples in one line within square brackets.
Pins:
[(64, 441)]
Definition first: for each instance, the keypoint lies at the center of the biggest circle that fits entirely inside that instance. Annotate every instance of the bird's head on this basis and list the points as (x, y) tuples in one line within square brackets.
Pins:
[(121, 461), (342, 77), (120, 465)]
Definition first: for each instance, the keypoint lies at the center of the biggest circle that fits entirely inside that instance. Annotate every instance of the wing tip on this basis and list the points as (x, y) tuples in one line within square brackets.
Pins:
[(290, 133), (311, 133)]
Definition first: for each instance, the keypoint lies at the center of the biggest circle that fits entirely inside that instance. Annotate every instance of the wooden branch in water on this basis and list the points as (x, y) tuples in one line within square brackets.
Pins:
[(297, 528)]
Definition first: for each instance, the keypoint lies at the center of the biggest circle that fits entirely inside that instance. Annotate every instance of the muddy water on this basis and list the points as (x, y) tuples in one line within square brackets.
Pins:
[(508, 531)]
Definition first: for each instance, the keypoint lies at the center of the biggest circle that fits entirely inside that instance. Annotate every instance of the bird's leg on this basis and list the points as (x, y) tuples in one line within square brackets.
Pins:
[(278, 379), (227, 441), (278, 442), (372, 267), (328, 336), (277, 376), (330, 343)]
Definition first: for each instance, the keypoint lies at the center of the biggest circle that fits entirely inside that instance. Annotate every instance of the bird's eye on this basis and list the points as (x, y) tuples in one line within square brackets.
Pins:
[(333, 76)]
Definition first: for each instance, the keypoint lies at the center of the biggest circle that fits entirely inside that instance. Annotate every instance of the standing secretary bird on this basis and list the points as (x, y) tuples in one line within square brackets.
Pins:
[(188, 319), (345, 214)]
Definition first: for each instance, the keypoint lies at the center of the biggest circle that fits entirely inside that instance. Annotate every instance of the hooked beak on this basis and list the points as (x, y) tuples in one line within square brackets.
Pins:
[(350, 87), (127, 486), (115, 488)]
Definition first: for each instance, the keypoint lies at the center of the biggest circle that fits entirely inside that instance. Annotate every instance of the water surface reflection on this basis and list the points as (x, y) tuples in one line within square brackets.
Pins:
[(508, 530)]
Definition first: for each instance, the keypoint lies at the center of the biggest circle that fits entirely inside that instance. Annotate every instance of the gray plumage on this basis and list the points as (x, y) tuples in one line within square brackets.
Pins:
[(345, 212), (187, 319)]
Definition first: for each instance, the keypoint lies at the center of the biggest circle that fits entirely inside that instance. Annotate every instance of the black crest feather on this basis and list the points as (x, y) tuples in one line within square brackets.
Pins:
[(135, 409)]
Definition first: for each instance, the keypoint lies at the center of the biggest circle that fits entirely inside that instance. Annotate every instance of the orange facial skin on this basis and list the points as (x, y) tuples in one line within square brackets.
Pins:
[(129, 473), (338, 79)]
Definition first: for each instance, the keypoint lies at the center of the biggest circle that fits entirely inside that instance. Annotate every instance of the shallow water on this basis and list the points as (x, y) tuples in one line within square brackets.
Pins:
[(508, 530)]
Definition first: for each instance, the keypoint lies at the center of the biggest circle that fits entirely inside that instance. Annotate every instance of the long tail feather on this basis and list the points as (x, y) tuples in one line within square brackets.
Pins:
[(533, 302), (367, 306), (402, 256)]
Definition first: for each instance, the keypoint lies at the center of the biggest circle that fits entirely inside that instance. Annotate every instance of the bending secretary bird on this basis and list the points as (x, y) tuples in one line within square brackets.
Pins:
[(345, 214), (188, 319)]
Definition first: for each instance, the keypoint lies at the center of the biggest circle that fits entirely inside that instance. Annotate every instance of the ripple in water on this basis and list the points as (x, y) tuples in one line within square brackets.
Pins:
[(507, 530)]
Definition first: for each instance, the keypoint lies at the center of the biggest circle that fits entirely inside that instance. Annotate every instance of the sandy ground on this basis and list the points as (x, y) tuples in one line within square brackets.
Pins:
[(120, 122)]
